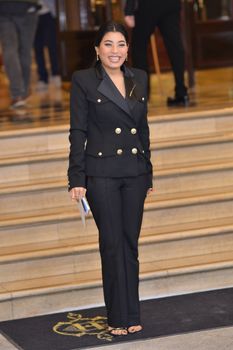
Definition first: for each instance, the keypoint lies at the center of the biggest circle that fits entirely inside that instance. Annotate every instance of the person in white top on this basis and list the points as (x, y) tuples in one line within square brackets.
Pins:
[(46, 36)]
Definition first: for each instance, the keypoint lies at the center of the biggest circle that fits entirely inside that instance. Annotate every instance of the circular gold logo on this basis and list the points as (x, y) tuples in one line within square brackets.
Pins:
[(79, 326)]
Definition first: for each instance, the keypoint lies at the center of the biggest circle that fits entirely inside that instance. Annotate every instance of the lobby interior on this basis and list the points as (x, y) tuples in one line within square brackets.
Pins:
[(43, 245)]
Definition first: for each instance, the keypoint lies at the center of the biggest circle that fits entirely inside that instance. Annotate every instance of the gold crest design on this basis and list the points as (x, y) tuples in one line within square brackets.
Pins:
[(79, 326)]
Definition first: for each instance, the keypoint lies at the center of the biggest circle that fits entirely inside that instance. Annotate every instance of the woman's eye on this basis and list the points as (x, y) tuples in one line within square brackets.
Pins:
[(122, 45), (108, 45)]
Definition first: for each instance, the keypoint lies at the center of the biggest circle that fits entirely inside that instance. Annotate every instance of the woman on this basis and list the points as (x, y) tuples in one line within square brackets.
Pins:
[(110, 163)]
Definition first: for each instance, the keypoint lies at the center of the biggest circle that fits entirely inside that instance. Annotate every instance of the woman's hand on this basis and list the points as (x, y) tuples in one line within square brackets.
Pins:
[(77, 193), (149, 191), (130, 21)]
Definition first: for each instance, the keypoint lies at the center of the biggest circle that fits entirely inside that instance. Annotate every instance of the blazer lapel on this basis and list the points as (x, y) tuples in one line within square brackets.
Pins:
[(107, 88)]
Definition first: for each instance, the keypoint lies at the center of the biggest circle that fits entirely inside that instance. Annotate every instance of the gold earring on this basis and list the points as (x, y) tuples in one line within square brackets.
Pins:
[(126, 57), (97, 57)]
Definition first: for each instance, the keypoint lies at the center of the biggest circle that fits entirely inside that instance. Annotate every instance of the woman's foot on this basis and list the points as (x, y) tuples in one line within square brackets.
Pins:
[(117, 331), (134, 329)]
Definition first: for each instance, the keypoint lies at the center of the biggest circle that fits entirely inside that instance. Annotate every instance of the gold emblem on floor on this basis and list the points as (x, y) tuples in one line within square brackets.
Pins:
[(79, 326)]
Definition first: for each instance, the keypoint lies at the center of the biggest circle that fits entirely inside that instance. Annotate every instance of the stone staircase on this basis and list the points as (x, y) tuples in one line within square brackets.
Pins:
[(49, 262)]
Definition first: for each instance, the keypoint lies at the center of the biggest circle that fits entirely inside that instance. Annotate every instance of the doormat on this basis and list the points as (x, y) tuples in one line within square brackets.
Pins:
[(87, 328)]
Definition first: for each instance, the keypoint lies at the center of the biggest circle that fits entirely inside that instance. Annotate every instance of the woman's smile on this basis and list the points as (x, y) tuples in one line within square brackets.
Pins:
[(114, 59), (113, 50)]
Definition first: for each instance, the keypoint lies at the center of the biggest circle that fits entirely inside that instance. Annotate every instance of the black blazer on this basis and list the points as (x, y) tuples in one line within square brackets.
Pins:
[(109, 134)]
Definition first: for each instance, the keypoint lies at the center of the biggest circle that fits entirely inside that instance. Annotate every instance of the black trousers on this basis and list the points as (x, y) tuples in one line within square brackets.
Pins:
[(117, 207), (46, 36), (164, 14)]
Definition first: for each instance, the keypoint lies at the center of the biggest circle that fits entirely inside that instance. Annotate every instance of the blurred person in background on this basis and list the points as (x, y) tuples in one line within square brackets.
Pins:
[(18, 20), (144, 16), (46, 36)]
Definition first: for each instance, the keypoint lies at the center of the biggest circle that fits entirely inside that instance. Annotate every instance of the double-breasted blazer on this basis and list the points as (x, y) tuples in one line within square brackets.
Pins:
[(109, 134)]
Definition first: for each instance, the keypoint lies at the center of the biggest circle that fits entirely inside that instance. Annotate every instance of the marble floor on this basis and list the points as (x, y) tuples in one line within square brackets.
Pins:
[(217, 339), (213, 90)]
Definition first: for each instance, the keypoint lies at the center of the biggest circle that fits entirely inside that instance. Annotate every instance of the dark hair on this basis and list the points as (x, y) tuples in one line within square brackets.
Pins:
[(110, 27)]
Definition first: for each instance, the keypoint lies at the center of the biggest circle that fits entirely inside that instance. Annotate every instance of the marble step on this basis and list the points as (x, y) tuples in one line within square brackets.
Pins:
[(193, 175), (53, 235), (28, 167), (200, 148), (160, 209), (33, 140), (170, 178), (40, 195), (190, 123), (173, 152), (49, 192), (75, 290), (161, 127), (60, 257)]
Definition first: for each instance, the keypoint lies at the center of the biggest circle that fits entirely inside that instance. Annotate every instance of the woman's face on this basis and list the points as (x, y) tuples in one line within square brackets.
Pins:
[(112, 50)]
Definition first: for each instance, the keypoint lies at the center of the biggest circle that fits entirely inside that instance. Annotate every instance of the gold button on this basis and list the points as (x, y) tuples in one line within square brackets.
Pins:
[(118, 130), (143, 98), (99, 100), (134, 150), (100, 154), (133, 131), (119, 151)]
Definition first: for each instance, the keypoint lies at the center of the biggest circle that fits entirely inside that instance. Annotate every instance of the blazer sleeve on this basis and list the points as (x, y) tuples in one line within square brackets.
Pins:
[(144, 134), (130, 7), (78, 133)]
